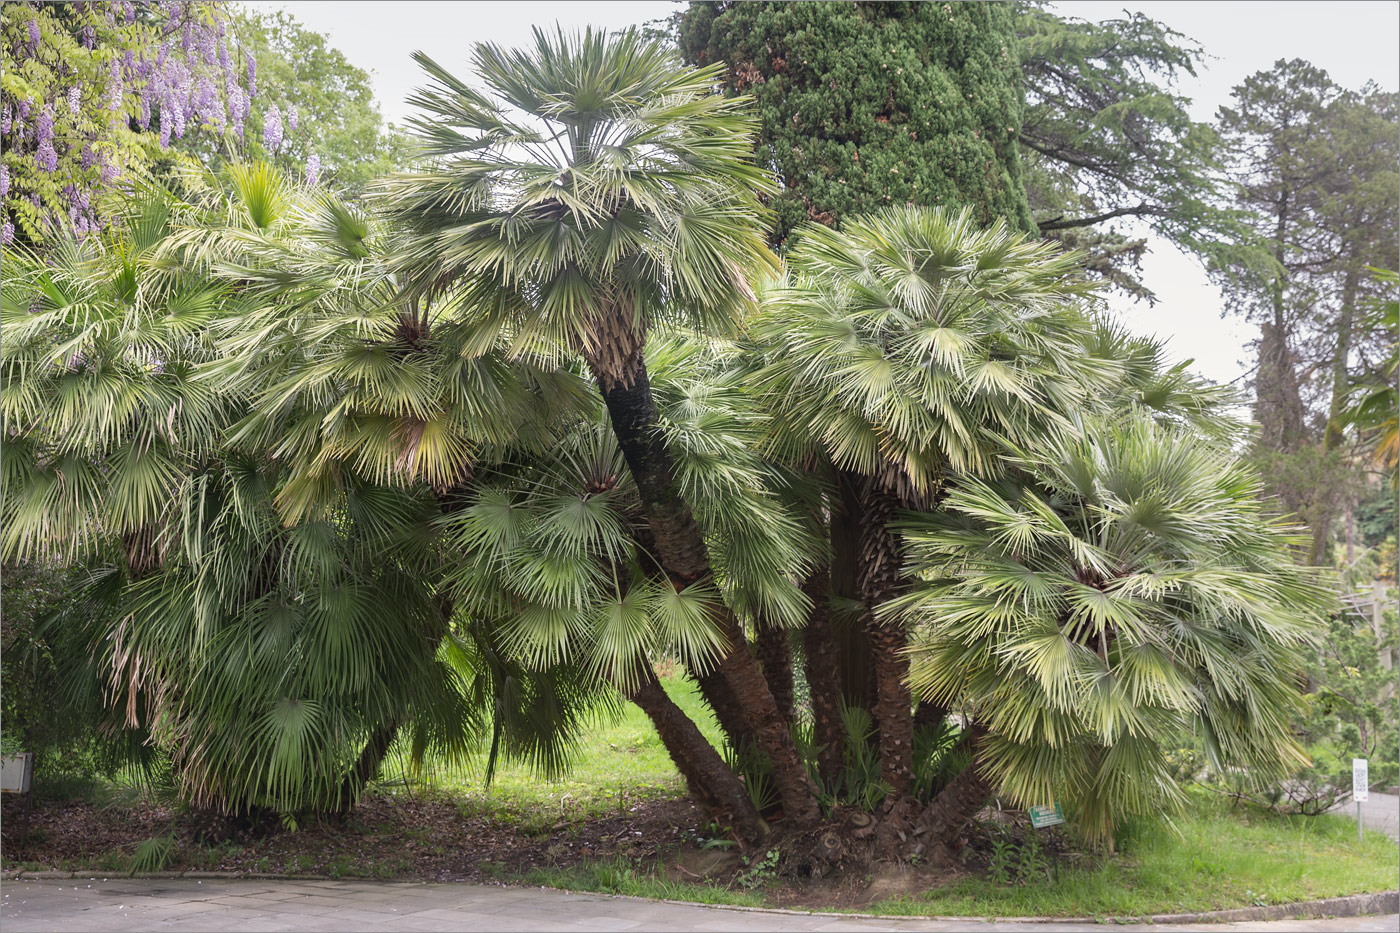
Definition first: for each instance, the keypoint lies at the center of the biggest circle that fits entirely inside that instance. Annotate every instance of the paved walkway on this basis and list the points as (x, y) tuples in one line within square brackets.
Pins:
[(1382, 812), (114, 906)]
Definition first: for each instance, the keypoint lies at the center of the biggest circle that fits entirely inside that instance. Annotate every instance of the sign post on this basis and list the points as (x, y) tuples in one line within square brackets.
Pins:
[(1360, 788)]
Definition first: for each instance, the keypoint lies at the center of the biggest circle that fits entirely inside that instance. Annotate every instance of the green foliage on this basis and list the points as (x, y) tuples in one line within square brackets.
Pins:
[(759, 871), (41, 711), (263, 656), (1106, 138), (1113, 586), (866, 106), (89, 74), (152, 855), (337, 117), (911, 343), (618, 195)]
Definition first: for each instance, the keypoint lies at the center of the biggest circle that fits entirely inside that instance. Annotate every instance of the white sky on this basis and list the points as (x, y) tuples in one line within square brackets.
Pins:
[(1354, 41)]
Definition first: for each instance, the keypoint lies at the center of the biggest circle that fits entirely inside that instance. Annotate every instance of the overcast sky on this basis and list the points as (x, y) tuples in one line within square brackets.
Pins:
[(1354, 41)]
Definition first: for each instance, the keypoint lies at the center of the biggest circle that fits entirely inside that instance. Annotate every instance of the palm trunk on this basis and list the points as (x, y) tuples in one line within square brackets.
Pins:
[(711, 783), (943, 819), (880, 573), (680, 546), (857, 668), (719, 695), (367, 766), (775, 657), (823, 679)]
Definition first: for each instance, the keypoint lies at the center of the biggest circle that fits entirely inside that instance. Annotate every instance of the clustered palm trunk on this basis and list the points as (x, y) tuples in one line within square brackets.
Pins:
[(680, 549)]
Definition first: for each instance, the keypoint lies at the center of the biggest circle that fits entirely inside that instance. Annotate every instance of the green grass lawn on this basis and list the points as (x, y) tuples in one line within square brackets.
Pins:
[(1218, 857), (620, 760)]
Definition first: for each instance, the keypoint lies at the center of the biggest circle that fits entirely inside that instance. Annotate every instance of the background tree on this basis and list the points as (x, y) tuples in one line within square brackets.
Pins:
[(869, 105), (313, 102), (93, 90), (1105, 139), (1315, 166)]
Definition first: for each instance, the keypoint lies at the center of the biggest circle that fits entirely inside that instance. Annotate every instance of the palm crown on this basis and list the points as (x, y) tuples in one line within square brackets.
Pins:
[(1108, 589), (910, 343), (596, 185)]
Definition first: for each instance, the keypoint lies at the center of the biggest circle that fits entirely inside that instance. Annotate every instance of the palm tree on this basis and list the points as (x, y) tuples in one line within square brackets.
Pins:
[(1108, 590), (905, 348), (597, 188), (274, 661)]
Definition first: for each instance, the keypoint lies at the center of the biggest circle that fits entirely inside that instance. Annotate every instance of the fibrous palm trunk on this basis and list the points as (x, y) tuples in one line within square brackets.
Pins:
[(944, 818), (776, 659), (367, 765), (880, 572), (824, 679), (708, 778), (615, 356)]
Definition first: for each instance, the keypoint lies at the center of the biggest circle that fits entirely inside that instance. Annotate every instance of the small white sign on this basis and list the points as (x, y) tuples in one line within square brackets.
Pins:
[(1360, 780)]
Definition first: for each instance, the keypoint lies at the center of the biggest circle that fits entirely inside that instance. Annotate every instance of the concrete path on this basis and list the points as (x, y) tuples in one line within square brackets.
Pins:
[(114, 906)]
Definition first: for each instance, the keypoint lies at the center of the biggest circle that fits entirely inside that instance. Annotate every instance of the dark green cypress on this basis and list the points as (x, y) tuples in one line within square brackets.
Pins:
[(866, 105)]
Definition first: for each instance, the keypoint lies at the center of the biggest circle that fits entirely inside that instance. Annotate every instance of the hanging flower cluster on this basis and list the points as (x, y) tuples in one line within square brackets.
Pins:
[(95, 87)]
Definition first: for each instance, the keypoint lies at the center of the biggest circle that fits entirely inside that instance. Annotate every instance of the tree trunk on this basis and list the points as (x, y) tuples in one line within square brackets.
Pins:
[(823, 679), (944, 818), (1333, 435), (680, 547), (857, 668), (711, 783), (880, 571), (733, 721), (367, 766), (775, 656)]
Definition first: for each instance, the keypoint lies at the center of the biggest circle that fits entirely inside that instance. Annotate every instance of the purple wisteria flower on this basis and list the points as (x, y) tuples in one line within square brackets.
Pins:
[(7, 233), (292, 117), (189, 78), (313, 168), (115, 88), (272, 129), (45, 155), (252, 76)]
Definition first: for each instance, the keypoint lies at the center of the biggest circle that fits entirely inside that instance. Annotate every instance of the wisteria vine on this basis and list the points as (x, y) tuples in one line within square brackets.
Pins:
[(89, 88)]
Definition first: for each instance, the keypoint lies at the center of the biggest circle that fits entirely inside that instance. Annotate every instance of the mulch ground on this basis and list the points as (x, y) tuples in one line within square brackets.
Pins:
[(385, 837), (431, 839)]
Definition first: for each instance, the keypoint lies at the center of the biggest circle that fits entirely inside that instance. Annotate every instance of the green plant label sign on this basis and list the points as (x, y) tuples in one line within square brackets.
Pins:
[(1042, 817)]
